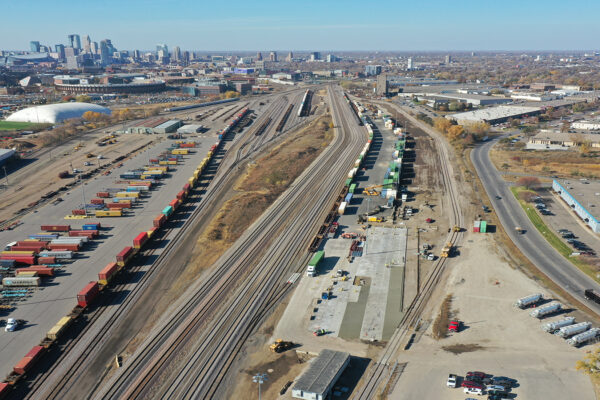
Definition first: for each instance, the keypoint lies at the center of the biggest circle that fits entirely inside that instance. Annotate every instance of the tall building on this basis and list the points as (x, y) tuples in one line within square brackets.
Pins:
[(185, 57), (289, 57), (71, 57), (74, 41), (315, 56), (176, 53), (259, 56), (382, 85), (87, 44), (448, 59), (35, 46), (60, 50), (104, 52), (372, 70), (332, 58), (273, 56), (136, 55), (94, 48), (409, 64), (162, 47)]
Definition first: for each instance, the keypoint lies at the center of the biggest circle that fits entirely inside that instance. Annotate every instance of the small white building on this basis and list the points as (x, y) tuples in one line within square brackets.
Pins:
[(589, 125)]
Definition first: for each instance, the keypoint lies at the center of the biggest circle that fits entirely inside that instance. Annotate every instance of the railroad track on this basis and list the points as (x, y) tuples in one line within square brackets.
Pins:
[(382, 370), (210, 342)]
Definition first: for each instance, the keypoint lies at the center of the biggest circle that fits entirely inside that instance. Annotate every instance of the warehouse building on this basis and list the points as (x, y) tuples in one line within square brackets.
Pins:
[(562, 140), (324, 371), (495, 115), (168, 127), (582, 196)]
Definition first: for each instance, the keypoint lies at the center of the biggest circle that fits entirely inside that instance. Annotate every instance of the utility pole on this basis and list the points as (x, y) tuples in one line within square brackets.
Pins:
[(259, 378), (83, 194)]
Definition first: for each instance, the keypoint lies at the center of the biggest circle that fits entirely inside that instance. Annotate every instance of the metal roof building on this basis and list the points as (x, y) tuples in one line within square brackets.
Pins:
[(495, 115), (5, 155), (53, 113), (324, 371), (168, 126), (582, 196)]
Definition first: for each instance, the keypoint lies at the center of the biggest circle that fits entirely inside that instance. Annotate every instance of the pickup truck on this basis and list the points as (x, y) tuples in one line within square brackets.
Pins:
[(452, 381)]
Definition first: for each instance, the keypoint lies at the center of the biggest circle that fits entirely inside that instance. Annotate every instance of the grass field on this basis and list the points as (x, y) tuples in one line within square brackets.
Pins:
[(554, 240), (19, 126)]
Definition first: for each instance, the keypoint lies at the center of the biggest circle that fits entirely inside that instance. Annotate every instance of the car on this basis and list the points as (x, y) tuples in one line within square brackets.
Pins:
[(12, 324), (320, 332), (496, 388), (478, 374), (452, 381), (454, 326), (497, 392), (471, 384), (498, 197), (497, 396), (503, 381), (563, 231), (568, 236), (473, 390)]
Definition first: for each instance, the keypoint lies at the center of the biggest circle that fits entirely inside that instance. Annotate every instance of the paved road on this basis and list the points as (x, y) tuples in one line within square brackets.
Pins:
[(532, 244)]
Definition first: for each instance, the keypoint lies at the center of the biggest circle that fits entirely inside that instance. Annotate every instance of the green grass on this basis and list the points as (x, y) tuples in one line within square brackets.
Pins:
[(19, 126), (551, 238)]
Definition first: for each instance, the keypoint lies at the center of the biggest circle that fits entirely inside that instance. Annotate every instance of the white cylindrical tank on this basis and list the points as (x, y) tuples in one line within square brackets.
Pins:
[(553, 326), (584, 337), (571, 330), (529, 300), (546, 310)]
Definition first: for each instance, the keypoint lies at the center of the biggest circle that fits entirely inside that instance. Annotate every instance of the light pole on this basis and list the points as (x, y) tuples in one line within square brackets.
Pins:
[(259, 378), (83, 194)]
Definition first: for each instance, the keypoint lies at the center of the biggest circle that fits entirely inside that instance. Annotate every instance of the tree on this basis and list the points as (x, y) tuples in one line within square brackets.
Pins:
[(83, 98), (442, 124), (455, 131), (590, 365), (529, 182), (478, 128)]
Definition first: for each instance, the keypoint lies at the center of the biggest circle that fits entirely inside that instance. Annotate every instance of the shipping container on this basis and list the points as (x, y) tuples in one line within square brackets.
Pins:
[(91, 227), (32, 243), (42, 236), (30, 260), (124, 255), (127, 194), (140, 240), (181, 195), (118, 206), (42, 270), (88, 294), (88, 234), (167, 211), (56, 228), (71, 239), (7, 263), (103, 194), (58, 329), (107, 273), (64, 246), (348, 198), (97, 201), (174, 203), (158, 221), (57, 254), (352, 188), (78, 212), (342, 208), (109, 213), (29, 360), (21, 281), (152, 231), (483, 227), (476, 225), (47, 260), (27, 252)]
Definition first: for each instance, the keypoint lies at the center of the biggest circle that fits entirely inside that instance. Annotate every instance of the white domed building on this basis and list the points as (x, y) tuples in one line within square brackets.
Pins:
[(53, 113)]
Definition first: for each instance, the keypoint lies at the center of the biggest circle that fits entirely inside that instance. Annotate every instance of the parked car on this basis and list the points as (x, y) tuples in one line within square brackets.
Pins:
[(454, 326), (496, 388), (473, 390), (477, 374), (503, 381), (452, 381), (471, 384)]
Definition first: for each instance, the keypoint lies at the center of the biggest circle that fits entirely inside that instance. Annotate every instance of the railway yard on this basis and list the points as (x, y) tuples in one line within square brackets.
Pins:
[(150, 295)]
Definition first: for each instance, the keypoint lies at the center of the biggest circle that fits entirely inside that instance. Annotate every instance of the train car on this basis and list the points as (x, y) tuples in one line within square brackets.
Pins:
[(125, 255), (140, 240), (87, 295), (108, 273), (55, 332), (167, 211), (29, 360), (158, 221)]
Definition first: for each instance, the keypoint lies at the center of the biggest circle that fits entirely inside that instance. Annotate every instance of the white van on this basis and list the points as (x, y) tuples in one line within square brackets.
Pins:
[(476, 391)]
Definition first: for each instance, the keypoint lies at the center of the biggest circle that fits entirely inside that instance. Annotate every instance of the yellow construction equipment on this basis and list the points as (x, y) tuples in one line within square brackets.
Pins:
[(375, 219), (280, 346), (446, 250), (90, 155), (370, 191), (456, 228)]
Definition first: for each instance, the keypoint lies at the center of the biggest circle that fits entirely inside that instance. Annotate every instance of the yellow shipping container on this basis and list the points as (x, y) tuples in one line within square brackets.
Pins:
[(19, 253), (127, 194), (57, 329), (163, 168), (109, 213), (172, 162), (209, 155), (179, 151), (162, 162), (27, 273)]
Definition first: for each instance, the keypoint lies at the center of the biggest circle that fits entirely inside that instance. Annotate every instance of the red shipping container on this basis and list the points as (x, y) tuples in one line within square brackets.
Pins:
[(107, 272), (42, 270), (19, 259), (181, 195), (97, 201), (103, 194), (186, 187), (158, 221), (89, 234), (37, 248), (88, 294), (172, 159), (118, 205), (47, 260), (32, 243), (78, 212), (29, 360), (64, 246), (5, 388), (174, 203), (140, 239), (56, 228), (124, 255), (154, 160)]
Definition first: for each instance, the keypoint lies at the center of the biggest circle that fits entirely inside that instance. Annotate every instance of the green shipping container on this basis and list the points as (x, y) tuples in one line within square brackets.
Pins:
[(483, 227), (352, 188), (348, 181), (316, 258)]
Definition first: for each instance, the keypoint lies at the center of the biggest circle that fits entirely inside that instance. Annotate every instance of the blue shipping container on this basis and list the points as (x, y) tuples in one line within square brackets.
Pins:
[(168, 211), (348, 198), (90, 227), (42, 236)]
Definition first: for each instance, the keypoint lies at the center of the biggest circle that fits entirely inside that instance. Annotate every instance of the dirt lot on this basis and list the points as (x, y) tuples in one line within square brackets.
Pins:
[(32, 180), (497, 338), (565, 164)]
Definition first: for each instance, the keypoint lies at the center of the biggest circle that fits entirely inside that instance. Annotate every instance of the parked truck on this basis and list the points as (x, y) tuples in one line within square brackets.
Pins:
[(556, 325), (567, 331), (593, 295), (530, 300), (546, 310), (584, 337), (311, 270)]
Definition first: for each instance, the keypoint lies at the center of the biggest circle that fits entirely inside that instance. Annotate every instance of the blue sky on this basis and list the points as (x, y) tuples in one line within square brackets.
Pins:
[(307, 24)]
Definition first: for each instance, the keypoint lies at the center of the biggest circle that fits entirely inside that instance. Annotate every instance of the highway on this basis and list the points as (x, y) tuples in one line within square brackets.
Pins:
[(192, 347), (532, 244)]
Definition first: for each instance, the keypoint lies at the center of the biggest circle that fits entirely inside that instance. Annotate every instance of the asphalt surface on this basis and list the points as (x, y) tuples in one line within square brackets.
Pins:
[(532, 244)]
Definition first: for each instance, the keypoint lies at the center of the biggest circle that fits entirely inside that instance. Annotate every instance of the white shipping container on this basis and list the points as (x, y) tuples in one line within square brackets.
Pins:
[(57, 254), (342, 208), (391, 193), (22, 281)]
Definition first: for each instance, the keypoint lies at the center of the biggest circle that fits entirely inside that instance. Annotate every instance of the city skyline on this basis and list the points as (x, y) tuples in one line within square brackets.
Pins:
[(347, 26)]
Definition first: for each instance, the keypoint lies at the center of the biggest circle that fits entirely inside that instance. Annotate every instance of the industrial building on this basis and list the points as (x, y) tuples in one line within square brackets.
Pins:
[(53, 113), (444, 98), (495, 115), (562, 140), (323, 372), (190, 129), (5, 155), (582, 196), (587, 125)]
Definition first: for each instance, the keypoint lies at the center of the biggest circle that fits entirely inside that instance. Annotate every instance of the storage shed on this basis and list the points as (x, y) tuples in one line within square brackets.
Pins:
[(324, 371)]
